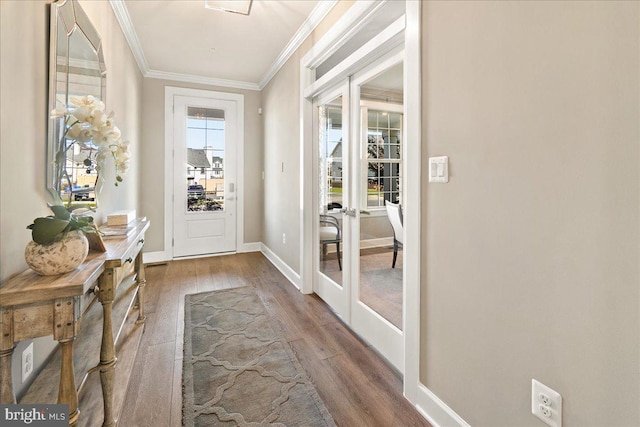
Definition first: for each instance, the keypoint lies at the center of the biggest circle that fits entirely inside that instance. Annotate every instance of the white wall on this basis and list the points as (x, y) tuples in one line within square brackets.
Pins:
[(281, 121), (531, 250), (23, 129)]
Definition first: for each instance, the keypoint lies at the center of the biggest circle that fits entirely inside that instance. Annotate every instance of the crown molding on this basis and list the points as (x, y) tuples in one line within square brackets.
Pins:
[(189, 78), (124, 19), (317, 15)]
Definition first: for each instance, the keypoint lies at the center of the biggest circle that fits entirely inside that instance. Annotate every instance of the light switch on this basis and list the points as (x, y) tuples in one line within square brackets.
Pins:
[(439, 169)]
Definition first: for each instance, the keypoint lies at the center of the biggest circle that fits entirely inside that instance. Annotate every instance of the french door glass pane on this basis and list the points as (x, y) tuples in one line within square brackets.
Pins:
[(380, 279), (331, 188), (205, 159)]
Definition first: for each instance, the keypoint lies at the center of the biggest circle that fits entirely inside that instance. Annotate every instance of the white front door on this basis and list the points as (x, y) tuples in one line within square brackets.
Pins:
[(205, 138)]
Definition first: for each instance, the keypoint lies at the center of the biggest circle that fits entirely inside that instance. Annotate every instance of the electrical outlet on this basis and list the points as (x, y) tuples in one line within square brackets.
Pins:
[(27, 362), (546, 404), (284, 239)]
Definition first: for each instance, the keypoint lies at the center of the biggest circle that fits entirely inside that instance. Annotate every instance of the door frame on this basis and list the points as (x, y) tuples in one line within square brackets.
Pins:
[(169, 93), (355, 18)]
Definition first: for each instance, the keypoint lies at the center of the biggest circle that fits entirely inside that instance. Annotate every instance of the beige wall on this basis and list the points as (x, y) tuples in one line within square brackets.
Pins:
[(281, 121), (152, 172), (23, 130), (532, 248)]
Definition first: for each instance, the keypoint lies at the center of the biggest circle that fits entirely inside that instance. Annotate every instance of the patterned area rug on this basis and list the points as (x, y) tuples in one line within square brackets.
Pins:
[(238, 370)]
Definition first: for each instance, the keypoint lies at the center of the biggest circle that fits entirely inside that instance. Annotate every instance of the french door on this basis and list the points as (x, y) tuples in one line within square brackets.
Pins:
[(204, 183), (358, 260)]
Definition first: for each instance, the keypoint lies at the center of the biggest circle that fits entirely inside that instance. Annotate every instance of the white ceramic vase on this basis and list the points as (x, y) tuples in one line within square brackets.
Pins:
[(61, 256)]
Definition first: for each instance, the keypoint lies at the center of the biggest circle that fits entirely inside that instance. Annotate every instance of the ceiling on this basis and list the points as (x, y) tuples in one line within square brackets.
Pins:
[(181, 40)]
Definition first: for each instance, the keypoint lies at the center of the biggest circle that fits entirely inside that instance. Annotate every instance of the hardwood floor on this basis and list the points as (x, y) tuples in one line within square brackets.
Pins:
[(358, 387)]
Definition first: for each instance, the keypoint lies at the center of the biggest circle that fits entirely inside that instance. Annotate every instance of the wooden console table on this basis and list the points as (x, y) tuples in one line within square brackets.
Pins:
[(33, 306)]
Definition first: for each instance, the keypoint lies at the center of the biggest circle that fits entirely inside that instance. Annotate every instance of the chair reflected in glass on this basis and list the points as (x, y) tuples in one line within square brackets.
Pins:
[(330, 233), (394, 212)]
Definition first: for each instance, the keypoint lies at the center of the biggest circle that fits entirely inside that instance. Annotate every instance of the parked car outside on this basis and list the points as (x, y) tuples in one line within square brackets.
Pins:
[(195, 192)]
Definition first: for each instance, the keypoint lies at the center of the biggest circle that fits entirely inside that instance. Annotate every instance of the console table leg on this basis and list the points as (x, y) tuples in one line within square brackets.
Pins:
[(67, 393), (6, 351), (107, 350), (6, 382), (142, 282)]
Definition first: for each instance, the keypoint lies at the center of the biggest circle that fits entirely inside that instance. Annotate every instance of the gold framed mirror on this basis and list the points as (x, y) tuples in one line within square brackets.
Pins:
[(76, 68)]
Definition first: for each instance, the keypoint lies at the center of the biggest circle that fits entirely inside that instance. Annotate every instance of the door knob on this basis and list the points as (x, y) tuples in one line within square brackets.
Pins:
[(349, 212)]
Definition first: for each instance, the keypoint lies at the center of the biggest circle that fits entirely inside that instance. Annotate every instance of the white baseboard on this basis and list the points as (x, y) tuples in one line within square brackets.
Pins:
[(287, 271), (366, 244), (376, 243), (164, 256), (250, 247), (435, 410), (155, 257)]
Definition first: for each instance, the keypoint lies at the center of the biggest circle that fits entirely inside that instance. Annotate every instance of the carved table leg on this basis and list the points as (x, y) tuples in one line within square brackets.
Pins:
[(108, 359), (6, 351), (67, 393), (65, 332), (142, 282), (6, 382)]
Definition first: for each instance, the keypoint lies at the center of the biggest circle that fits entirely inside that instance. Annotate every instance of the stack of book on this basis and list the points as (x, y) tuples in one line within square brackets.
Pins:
[(119, 225)]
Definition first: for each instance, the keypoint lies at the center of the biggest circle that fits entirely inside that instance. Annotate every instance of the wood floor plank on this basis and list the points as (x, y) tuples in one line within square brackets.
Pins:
[(153, 403), (185, 289), (323, 347), (154, 274), (176, 395), (345, 410), (337, 361)]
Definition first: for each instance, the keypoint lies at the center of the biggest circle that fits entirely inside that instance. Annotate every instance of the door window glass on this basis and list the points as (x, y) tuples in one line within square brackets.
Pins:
[(205, 159), (331, 188)]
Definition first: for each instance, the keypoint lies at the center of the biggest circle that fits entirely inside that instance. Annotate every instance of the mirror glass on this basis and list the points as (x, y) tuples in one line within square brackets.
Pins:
[(76, 68)]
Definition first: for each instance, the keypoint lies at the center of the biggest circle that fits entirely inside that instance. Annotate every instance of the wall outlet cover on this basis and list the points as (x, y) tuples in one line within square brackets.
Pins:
[(546, 404), (27, 362)]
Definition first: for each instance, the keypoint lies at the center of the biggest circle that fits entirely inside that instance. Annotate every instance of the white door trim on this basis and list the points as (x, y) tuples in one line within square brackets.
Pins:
[(413, 184), (169, 94)]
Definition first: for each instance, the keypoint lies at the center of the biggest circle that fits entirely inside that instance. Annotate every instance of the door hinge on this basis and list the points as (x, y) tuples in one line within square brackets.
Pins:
[(173, 242)]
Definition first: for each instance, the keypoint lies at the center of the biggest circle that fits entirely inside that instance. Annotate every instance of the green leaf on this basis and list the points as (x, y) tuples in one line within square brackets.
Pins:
[(60, 212), (45, 230)]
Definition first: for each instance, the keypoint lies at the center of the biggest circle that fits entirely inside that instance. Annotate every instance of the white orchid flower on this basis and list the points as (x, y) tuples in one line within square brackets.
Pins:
[(90, 127), (59, 112), (97, 118), (81, 114), (79, 133), (88, 101)]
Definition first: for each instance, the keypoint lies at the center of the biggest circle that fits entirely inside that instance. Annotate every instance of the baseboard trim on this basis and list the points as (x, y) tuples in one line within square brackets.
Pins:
[(438, 413), (250, 247), (283, 267), (376, 243), (367, 244), (156, 257)]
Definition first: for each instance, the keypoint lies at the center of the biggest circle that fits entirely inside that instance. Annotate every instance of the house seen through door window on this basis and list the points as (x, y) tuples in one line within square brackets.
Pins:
[(205, 159)]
